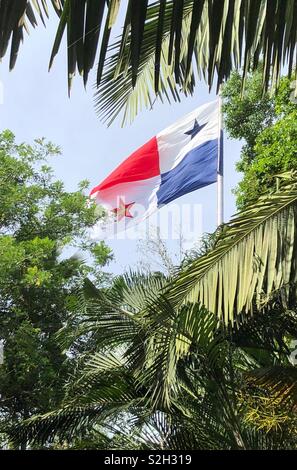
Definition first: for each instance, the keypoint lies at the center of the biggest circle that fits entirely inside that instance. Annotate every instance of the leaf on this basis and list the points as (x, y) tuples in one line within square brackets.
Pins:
[(14, 18), (116, 84), (219, 37), (254, 259), (280, 381), (94, 16)]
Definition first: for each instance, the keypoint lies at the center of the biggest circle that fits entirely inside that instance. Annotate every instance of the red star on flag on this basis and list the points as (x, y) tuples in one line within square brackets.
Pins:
[(123, 210)]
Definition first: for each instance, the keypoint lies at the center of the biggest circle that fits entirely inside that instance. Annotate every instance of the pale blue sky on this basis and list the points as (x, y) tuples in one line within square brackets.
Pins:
[(36, 105)]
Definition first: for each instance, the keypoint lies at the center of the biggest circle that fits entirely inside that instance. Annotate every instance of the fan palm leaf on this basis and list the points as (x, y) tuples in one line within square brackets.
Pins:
[(155, 335), (112, 315)]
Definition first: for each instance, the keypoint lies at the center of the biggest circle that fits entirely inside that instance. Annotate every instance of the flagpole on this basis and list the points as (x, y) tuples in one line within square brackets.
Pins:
[(220, 182)]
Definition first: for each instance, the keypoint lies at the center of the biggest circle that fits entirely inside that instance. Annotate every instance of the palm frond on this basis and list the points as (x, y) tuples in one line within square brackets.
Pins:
[(103, 389), (182, 40), (65, 424), (254, 259), (279, 381), (160, 43), (170, 335), (119, 90), (15, 17), (182, 395), (265, 337), (111, 315)]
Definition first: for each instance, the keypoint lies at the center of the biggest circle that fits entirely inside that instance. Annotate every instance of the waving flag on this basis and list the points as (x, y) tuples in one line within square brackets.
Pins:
[(180, 159)]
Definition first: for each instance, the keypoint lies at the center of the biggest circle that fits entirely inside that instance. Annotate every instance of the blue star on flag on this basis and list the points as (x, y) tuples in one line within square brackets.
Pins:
[(196, 129)]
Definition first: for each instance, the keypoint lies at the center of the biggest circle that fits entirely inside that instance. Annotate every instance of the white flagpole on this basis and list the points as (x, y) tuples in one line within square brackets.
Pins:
[(220, 182)]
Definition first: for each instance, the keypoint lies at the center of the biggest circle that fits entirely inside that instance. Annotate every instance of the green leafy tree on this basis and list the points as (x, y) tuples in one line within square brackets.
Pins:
[(267, 125), (39, 223), (246, 114)]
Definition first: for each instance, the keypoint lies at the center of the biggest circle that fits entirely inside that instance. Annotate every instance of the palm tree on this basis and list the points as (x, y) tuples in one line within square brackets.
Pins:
[(162, 43), (168, 374)]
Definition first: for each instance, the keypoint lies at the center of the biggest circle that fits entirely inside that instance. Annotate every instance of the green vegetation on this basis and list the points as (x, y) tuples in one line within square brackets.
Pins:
[(39, 222), (268, 127), (163, 377), (202, 358)]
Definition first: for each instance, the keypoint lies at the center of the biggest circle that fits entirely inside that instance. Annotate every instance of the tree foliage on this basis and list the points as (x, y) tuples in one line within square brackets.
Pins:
[(39, 223), (267, 126)]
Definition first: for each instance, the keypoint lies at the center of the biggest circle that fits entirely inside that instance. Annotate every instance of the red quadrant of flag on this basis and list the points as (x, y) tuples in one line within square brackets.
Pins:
[(140, 165)]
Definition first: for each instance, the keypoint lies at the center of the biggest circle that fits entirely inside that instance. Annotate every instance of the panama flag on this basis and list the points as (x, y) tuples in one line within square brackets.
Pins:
[(178, 160)]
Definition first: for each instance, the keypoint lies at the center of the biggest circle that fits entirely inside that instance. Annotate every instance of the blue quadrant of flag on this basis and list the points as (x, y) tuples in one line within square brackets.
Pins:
[(196, 170)]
